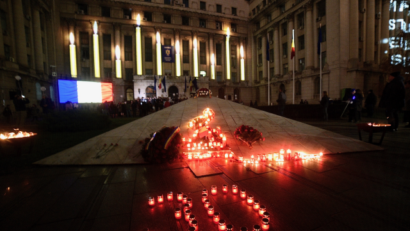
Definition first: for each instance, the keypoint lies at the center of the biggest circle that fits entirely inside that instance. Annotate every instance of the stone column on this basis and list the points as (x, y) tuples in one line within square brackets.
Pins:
[(20, 36), (276, 48), (38, 45), (309, 36), (385, 16), (370, 26), (290, 28), (354, 33), (264, 62)]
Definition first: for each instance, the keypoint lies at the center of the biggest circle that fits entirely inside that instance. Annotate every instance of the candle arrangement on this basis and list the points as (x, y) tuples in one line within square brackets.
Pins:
[(222, 225), (178, 213)]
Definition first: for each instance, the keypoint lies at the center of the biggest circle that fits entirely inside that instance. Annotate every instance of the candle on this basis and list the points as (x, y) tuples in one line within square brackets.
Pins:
[(204, 197), (250, 200), (189, 202), (211, 211), (189, 140), (225, 188), (205, 191), (186, 207), (256, 228), (282, 151), (244, 229), (256, 205), (270, 156), (229, 227), (234, 189), (263, 158), (216, 217), (160, 199), (243, 194), (266, 215), (190, 124), (191, 229), (224, 140), (226, 155), (213, 189), (207, 203), (265, 224), (184, 198), (179, 196), (231, 155), (151, 201), (288, 151), (222, 225), (194, 224), (187, 214), (170, 196), (178, 213), (189, 156), (262, 209), (275, 156), (258, 157), (191, 218), (240, 158), (252, 157)]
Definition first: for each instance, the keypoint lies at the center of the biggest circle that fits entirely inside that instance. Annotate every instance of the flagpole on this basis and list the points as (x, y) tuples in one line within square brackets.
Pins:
[(293, 37), (267, 53), (320, 63)]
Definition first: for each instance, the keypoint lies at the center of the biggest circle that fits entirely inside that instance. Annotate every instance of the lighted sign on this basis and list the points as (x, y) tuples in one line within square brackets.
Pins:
[(398, 43)]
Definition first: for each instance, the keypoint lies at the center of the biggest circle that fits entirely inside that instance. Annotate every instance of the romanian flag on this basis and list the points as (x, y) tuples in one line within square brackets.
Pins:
[(171, 137), (160, 83), (292, 53)]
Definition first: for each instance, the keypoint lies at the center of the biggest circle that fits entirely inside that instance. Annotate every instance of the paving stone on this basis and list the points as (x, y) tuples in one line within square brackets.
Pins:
[(117, 200), (201, 168)]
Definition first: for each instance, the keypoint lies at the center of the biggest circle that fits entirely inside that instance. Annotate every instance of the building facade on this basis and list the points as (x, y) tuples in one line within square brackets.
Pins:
[(225, 44)]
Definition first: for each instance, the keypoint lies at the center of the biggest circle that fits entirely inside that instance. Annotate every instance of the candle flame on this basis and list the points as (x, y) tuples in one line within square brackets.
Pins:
[(177, 47), (138, 20), (117, 52), (71, 38), (95, 27), (242, 52)]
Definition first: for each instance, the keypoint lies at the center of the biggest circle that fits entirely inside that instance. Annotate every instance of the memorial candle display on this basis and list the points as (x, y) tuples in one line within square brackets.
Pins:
[(160, 199), (265, 224), (225, 188), (186, 207), (211, 211), (170, 196), (229, 227), (194, 224), (266, 215), (243, 194), (184, 199), (256, 228), (270, 157), (250, 200), (204, 197), (216, 217), (256, 205), (234, 189), (179, 196), (262, 209), (222, 225), (206, 204), (191, 218), (151, 201), (178, 214), (189, 202), (213, 190), (187, 214)]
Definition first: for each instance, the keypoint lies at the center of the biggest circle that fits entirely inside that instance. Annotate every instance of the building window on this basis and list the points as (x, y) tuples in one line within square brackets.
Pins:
[(233, 27), (321, 8), (233, 77), (218, 25), (285, 50), (29, 61), (167, 18), (219, 54), (234, 11), (316, 86), (127, 13), (129, 75), (43, 43), (148, 71), (285, 68), (260, 75), (219, 76), (186, 3), (185, 21), (148, 16), (202, 5), (85, 45), (202, 23), (3, 19), (27, 33), (82, 9), (260, 60), (148, 49), (7, 51), (301, 42), (301, 64), (301, 20), (108, 73), (128, 48), (105, 12), (167, 42), (323, 33), (107, 46), (284, 29), (234, 59), (185, 51), (218, 8), (186, 72), (259, 43), (202, 53), (167, 2), (298, 88), (85, 72)]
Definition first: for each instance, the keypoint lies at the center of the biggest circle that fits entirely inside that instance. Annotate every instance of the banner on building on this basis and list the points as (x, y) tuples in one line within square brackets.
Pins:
[(167, 54)]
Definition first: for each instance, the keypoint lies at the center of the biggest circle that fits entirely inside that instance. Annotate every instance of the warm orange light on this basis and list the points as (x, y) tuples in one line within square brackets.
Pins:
[(262, 209), (222, 225), (216, 217), (160, 199), (214, 190), (250, 200), (151, 201), (187, 214), (19, 134), (234, 189), (179, 196), (211, 211), (256, 205), (170, 196), (243, 194), (178, 214), (207, 204)]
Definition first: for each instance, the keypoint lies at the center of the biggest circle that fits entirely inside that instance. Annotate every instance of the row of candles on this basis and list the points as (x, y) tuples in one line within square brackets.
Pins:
[(378, 125), (13, 135), (206, 117)]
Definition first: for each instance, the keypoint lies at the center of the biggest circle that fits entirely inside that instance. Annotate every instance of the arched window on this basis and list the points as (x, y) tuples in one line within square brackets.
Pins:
[(130, 94), (298, 88), (173, 91), (316, 86)]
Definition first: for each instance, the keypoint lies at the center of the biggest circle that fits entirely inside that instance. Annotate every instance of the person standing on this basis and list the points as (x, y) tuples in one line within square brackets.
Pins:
[(359, 104), (406, 108), (393, 98), (21, 112), (324, 102), (370, 103), (281, 101)]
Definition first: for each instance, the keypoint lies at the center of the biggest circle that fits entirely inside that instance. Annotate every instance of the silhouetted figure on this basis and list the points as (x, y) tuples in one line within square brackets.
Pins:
[(281, 101), (370, 103), (324, 103)]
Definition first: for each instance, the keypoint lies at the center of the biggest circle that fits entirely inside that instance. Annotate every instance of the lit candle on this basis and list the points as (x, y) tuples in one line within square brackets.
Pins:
[(151, 201), (160, 199), (204, 197), (191, 218), (184, 198), (231, 155), (262, 209), (211, 211), (288, 151), (206, 204), (170, 196), (213, 190), (178, 213), (256, 228), (225, 188), (275, 156), (243, 194), (189, 140), (234, 189), (266, 215), (229, 227), (224, 140), (186, 207), (222, 225), (250, 200), (258, 157), (270, 156), (256, 205), (194, 224), (189, 156), (187, 214), (179, 196), (240, 158), (226, 155), (282, 151), (265, 224), (189, 202), (216, 217)]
